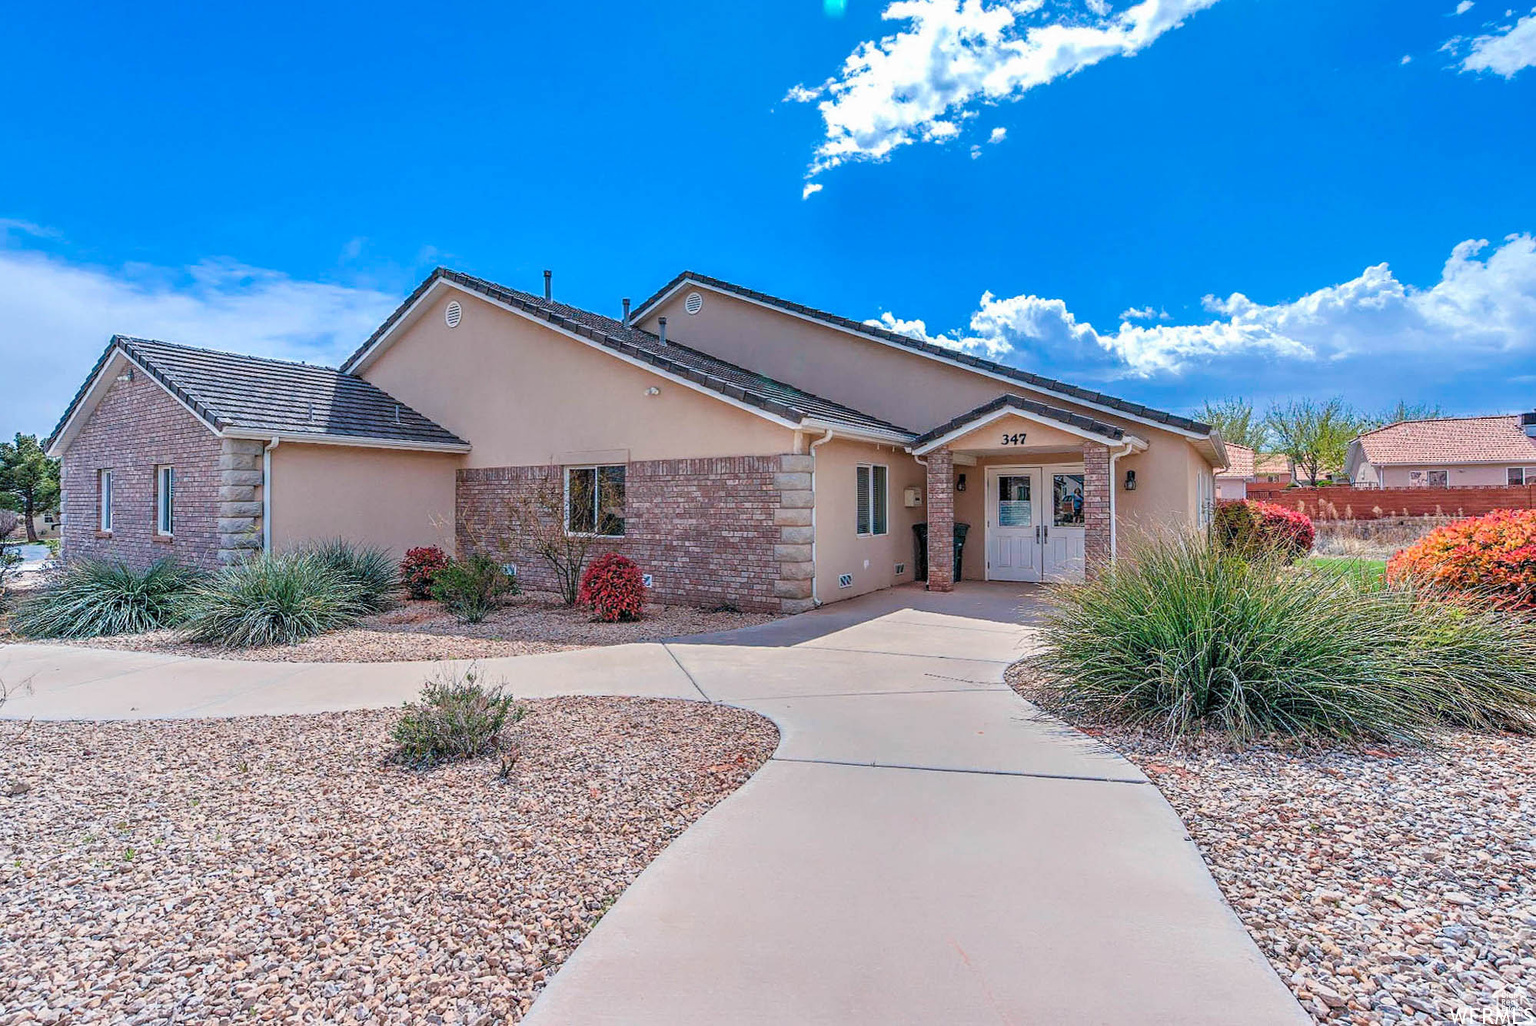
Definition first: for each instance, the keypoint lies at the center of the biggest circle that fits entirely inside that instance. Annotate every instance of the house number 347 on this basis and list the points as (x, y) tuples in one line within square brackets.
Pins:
[(1016, 439)]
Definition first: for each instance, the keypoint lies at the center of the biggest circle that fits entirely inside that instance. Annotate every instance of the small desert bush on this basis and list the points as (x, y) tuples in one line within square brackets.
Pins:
[(1492, 556), (370, 567), (1251, 528), (455, 718), (472, 588), (614, 587), (1186, 635), (92, 598), (273, 600), (420, 568)]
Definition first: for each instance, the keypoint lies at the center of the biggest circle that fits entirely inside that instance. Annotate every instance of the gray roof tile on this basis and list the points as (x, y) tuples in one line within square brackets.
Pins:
[(1018, 402)]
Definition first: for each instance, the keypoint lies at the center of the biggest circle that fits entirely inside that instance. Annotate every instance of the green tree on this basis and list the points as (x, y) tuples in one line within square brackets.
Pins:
[(29, 480), (1235, 419), (1316, 435), (1404, 410)]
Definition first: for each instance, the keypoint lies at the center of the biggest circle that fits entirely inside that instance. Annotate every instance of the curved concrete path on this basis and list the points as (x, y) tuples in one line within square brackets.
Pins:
[(924, 847)]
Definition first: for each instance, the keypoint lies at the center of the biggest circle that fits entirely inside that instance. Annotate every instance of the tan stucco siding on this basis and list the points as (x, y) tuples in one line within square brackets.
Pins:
[(840, 549), (1463, 475), (398, 500), (906, 388), (522, 394), (1166, 488)]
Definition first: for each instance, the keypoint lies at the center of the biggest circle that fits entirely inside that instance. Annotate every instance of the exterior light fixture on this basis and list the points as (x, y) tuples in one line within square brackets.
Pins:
[(960, 483), (126, 375), (653, 390), (1130, 480)]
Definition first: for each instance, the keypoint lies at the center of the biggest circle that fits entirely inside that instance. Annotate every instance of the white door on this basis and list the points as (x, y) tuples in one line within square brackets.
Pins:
[(1062, 532), (1014, 519)]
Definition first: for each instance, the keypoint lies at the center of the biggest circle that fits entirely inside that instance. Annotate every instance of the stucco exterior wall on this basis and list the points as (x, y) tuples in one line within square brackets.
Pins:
[(136, 427), (384, 497), (840, 549), (1462, 476), (523, 395)]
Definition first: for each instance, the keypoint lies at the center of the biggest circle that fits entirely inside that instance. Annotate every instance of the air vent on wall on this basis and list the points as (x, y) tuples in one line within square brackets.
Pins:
[(901, 568), (452, 313), (694, 303), (845, 580)]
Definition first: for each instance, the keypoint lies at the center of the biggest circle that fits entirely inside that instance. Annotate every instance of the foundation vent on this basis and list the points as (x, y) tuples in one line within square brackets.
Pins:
[(901, 568), (452, 314), (845, 580), (647, 580), (694, 303)]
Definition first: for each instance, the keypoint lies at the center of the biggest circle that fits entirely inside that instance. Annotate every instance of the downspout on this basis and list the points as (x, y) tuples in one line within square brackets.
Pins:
[(815, 567), (266, 494), (1114, 516)]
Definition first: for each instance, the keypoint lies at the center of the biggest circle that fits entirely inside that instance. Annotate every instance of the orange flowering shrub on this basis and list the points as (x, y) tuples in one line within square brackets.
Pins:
[(1493, 555)]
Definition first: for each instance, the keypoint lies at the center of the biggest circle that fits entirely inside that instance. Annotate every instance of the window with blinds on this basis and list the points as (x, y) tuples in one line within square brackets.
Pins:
[(871, 499)]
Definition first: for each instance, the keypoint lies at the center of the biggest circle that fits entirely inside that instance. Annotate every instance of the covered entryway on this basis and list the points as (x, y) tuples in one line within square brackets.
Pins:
[(1046, 508)]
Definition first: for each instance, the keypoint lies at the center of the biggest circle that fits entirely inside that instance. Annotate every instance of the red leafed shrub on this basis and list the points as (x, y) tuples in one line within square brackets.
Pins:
[(1493, 555), (614, 588), (1252, 527), (420, 568)]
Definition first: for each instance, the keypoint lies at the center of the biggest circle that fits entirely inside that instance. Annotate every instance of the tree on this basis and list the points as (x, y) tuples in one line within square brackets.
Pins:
[(1316, 435), (1404, 410), (28, 479), (1235, 419)]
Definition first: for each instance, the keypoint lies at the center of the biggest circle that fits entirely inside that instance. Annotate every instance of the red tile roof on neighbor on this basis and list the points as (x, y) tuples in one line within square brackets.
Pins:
[(1450, 440), (1274, 463), (1239, 461)]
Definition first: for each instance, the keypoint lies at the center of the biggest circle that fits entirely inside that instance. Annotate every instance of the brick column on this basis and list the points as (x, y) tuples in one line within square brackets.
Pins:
[(941, 520), (1096, 506), (239, 503), (796, 533)]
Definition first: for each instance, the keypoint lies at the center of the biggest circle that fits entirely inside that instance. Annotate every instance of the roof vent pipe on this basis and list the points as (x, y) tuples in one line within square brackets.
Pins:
[(661, 329), (547, 276), (626, 311)]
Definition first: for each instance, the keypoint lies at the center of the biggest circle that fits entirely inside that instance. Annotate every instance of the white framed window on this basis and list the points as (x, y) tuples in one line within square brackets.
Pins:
[(594, 501), (1522, 475), (1205, 498), (873, 499), (104, 500), (165, 500), (1439, 478)]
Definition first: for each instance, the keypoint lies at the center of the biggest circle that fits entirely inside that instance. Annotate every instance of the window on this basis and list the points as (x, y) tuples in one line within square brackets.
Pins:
[(1439, 478), (165, 490), (871, 495), (594, 501), (1067, 500), (1522, 475), (104, 499)]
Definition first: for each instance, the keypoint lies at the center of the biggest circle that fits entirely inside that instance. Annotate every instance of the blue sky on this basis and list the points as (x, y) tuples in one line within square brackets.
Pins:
[(1172, 200)]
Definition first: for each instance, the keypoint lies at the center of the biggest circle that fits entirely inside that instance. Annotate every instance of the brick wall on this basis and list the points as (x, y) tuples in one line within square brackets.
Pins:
[(136, 427), (1096, 513), (941, 519), (710, 531), (1374, 503)]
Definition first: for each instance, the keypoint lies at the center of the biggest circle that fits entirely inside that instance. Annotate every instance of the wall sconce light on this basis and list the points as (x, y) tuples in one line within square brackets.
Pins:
[(960, 483), (1130, 480), (126, 375)]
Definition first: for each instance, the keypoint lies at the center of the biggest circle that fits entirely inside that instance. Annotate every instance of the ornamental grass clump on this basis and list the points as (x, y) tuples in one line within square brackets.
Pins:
[(455, 718), (1188, 635), (371, 568), (93, 598), (273, 600)]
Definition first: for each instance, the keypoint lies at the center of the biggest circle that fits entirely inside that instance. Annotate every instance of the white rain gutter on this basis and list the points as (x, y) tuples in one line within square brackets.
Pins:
[(1114, 516), (266, 493), (815, 569)]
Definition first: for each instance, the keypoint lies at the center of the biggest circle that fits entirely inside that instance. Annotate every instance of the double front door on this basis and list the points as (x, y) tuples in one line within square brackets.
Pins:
[(1034, 528)]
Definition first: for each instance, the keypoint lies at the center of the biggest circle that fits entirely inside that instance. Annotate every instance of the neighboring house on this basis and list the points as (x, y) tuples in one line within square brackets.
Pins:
[(1246, 467), (1446, 453), (793, 482)]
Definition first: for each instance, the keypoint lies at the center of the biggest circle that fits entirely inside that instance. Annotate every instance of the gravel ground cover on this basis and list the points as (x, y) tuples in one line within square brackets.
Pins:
[(1384, 886), (416, 630), (277, 869)]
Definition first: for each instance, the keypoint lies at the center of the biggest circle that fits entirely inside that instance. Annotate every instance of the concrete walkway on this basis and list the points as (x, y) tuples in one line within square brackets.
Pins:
[(923, 847)]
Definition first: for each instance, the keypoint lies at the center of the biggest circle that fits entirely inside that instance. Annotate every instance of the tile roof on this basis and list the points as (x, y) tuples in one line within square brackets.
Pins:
[(1240, 461), (954, 356), (1017, 402), (1274, 463), (229, 390), (765, 393), (1449, 440)]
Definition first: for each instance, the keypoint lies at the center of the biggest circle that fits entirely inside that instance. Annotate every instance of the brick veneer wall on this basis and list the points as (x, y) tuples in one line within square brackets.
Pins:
[(1096, 511), (941, 520), (136, 427), (710, 531)]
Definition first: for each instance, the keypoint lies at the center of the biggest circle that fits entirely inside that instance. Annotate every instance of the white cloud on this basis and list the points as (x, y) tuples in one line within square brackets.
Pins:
[(800, 94), (921, 82), (1464, 6), (1482, 310), (998, 135), (811, 188), (1505, 51), (1407, 59), (57, 316), (1145, 313)]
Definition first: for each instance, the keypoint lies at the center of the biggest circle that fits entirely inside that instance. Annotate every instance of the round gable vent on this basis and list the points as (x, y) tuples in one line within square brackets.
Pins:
[(452, 314), (694, 303)]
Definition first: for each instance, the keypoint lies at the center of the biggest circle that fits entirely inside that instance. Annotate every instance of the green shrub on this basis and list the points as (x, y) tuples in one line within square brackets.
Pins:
[(471, 588), (373, 569), (272, 600), (92, 598), (455, 718), (1185, 635)]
